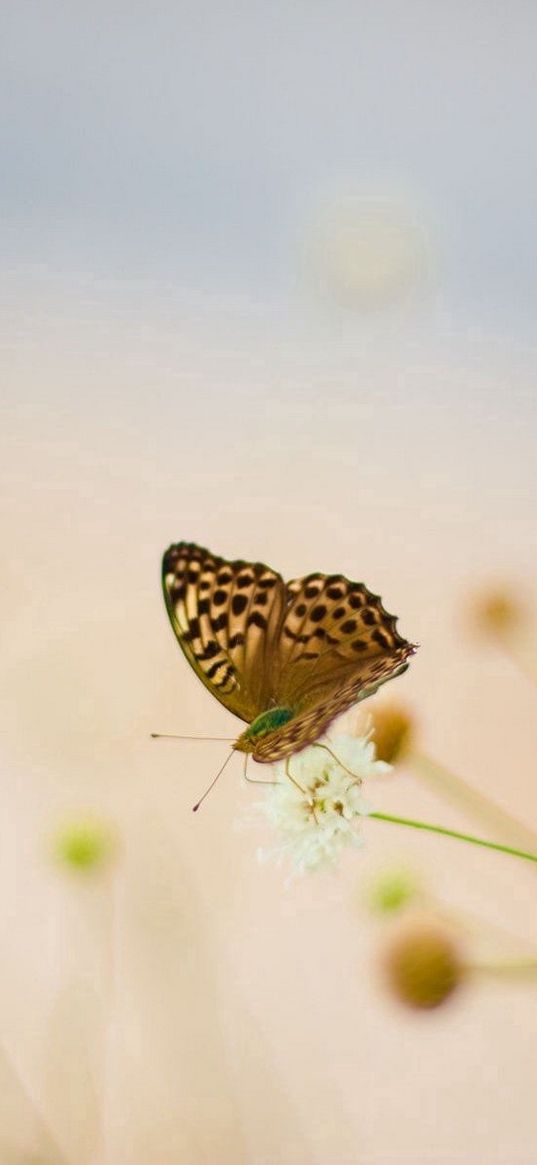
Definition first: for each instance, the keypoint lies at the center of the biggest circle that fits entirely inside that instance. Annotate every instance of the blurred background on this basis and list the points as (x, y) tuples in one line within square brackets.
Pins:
[(268, 284)]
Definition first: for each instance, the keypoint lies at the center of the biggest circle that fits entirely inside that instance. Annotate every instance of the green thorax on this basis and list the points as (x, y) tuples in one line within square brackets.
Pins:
[(269, 721)]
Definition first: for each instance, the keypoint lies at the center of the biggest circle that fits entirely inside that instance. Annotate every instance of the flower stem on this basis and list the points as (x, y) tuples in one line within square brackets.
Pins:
[(459, 791), (47, 1135), (469, 837), (511, 649), (506, 967)]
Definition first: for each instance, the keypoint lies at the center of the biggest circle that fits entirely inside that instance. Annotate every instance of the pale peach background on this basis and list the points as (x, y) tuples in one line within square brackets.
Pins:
[(194, 1007)]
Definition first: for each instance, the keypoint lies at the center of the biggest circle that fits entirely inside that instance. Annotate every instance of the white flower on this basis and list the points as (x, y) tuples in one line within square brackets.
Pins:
[(317, 802)]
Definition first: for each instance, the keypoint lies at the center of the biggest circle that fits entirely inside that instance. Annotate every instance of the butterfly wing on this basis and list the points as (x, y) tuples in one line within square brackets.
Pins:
[(225, 616), (337, 645), (327, 703)]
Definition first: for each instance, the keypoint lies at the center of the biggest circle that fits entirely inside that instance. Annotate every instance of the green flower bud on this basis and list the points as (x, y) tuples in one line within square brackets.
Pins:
[(391, 890), (85, 845)]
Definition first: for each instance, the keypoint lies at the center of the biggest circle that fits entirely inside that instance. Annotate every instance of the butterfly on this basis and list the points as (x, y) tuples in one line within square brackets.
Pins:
[(287, 658)]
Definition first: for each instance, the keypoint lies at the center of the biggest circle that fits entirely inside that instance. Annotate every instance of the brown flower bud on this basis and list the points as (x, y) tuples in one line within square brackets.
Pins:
[(393, 729), (497, 611), (423, 966)]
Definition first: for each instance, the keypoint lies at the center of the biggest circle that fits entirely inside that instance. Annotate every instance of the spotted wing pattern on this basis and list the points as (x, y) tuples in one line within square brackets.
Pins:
[(329, 700), (316, 646), (337, 645), (329, 623), (225, 615)]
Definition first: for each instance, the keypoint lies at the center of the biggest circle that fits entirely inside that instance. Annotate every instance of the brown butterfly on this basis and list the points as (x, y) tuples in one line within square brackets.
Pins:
[(285, 657)]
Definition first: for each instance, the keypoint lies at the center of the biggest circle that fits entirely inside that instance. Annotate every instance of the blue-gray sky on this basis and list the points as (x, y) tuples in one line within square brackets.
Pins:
[(190, 141)]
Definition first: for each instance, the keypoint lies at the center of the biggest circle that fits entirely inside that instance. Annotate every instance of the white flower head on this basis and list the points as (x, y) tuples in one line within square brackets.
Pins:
[(317, 803)]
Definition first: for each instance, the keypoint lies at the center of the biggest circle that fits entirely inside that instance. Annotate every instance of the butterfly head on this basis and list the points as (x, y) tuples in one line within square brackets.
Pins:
[(267, 722)]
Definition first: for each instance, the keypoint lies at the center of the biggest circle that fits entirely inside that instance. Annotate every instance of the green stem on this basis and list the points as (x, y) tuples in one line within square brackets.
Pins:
[(469, 837), (459, 791)]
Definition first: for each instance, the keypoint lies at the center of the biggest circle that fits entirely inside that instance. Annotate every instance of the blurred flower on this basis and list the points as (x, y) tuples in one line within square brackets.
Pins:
[(85, 845), (391, 890), (368, 250), (497, 611), (423, 966), (317, 802), (393, 730)]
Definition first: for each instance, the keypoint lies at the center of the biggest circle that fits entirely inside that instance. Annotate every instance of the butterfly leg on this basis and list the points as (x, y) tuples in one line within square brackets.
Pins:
[(306, 793), (339, 762), (254, 780), (292, 779)]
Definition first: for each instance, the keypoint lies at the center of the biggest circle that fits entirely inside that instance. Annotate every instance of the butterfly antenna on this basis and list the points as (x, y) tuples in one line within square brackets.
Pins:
[(213, 783), (173, 736)]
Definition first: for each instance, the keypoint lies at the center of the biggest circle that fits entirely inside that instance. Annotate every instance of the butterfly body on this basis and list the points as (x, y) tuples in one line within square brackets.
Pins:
[(286, 658), (268, 721)]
